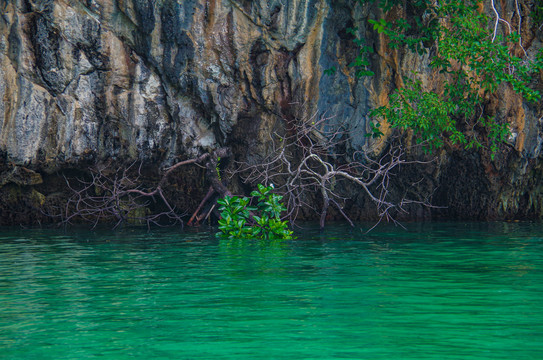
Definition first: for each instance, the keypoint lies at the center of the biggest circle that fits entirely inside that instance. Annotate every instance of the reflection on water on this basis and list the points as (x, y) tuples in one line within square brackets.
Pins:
[(435, 291)]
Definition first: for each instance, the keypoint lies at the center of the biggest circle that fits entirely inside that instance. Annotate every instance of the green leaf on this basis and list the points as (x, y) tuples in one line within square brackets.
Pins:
[(330, 71), (266, 223), (351, 30)]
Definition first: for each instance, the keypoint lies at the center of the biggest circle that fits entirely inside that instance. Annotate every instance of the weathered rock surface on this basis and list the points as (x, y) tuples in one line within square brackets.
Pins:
[(87, 81)]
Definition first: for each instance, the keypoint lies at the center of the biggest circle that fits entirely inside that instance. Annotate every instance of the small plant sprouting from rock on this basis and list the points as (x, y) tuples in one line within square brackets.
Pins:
[(218, 168), (241, 220)]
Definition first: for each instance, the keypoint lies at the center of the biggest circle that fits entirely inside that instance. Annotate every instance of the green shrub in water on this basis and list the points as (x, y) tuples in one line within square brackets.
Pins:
[(241, 220)]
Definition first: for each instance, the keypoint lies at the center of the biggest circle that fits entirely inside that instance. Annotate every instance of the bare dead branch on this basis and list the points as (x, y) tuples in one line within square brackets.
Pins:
[(119, 195), (312, 158), (194, 216)]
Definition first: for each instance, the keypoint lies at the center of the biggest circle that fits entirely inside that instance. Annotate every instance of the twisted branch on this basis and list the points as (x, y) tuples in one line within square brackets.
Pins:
[(119, 195), (311, 159)]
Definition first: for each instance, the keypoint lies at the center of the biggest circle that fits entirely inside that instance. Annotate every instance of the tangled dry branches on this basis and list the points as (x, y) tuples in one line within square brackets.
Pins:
[(312, 158), (120, 196), (116, 196)]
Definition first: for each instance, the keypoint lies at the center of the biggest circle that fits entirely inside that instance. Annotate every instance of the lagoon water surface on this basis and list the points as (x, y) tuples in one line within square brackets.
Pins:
[(435, 291)]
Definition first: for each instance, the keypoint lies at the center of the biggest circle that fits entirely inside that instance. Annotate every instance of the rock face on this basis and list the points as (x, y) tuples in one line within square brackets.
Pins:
[(87, 81)]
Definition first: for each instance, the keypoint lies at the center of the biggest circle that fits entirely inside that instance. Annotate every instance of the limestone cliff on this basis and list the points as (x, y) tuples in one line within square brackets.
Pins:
[(94, 81)]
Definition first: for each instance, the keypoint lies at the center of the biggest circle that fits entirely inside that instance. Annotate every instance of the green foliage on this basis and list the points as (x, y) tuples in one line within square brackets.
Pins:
[(218, 168), (240, 220), (361, 63), (474, 61), (422, 27), (330, 71), (423, 112), (537, 13), (375, 131)]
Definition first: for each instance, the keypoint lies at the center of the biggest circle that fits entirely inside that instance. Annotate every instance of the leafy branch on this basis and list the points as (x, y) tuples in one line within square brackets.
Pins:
[(241, 220), (473, 60)]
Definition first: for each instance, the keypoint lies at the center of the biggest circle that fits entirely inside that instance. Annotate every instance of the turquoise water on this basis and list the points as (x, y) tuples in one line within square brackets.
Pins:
[(435, 291)]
